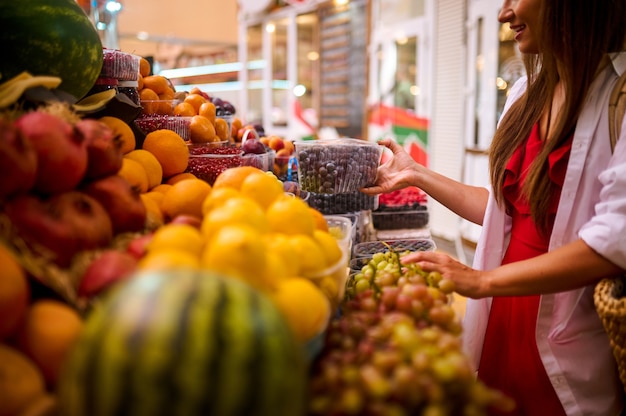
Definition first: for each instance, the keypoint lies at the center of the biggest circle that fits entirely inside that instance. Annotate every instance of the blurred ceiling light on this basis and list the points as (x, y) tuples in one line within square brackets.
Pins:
[(501, 84), (299, 90), (270, 28), (143, 35), (415, 90), (113, 6), (401, 39), (341, 2), (313, 56)]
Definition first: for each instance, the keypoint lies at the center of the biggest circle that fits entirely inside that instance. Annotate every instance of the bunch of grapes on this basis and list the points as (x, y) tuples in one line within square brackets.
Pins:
[(395, 349)]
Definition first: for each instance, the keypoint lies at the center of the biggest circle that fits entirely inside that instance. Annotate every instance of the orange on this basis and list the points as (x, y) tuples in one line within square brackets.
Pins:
[(235, 125), (170, 150), (290, 295), (237, 251), (291, 215), (185, 197), (21, 382), (151, 165), (234, 177), (162, 188), (207, 110), (320, 221), (157, 83), (135, 174), (218, 197), (144, 67), (184, 110), (262, 187), (14, 292), (155, 196), (148, 98), (288, 146), (122, 130), (221, 129), (196, 100), (168, 96), (201, 130), (48, 333), (153, 210), (180, 177), (139, 82)]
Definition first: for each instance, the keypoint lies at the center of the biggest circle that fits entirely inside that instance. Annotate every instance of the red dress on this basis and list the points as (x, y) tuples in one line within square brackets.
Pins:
[(510, 360)]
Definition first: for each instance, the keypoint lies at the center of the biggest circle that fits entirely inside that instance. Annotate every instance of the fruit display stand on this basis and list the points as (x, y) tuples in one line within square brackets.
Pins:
[(132, 286)]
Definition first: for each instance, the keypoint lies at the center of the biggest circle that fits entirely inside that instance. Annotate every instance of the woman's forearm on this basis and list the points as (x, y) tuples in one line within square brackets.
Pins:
[(569, 267), (465, 200)]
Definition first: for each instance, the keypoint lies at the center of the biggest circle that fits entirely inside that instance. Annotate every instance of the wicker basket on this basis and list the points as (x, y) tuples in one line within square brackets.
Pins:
[(610, 302)]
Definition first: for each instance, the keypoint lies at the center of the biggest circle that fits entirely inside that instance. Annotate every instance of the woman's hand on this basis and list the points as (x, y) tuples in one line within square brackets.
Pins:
[(396, 173), (467, 281)]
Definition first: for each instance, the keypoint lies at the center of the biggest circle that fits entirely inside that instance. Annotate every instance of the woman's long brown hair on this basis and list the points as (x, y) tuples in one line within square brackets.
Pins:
[(575, 37)]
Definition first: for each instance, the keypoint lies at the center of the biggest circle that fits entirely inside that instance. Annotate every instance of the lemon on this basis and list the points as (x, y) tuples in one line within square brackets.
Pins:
[(291, 216), (293, 297), (237, 251), (168, 259), (237, 210), (312, 258), (218, 197), (281, 246), (330, 247), (177, 237)]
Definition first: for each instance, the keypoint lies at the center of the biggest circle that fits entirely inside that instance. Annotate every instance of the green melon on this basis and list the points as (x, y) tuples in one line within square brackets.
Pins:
[(50, 37), (184, 343)]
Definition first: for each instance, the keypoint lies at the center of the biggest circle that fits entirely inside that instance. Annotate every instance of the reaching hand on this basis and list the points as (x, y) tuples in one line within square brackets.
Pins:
[(396, 173), (467, 281)]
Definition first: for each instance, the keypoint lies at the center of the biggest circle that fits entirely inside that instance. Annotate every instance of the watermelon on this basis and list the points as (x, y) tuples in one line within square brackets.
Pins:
[(184, 342), (50, 37)]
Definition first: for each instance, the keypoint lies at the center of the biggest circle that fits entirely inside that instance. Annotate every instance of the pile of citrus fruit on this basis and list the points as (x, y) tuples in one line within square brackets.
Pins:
[(249, 229)]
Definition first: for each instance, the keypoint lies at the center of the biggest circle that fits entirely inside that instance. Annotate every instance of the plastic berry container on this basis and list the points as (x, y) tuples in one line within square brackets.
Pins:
[(332, 204), (208, 160), (336, 166), (123, 66), (400, 219), (368, 248), (178, 124)]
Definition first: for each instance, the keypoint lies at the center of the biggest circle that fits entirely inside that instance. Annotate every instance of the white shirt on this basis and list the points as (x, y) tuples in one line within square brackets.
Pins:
[(571, 340)]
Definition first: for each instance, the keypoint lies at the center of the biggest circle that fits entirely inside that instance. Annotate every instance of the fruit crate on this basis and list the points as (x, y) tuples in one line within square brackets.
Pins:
[(396, 219), (368, 248), (341, 203)]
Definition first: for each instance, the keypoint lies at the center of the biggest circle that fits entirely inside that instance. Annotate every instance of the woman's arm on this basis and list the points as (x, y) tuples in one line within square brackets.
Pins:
[(569, 267), (401, 171)]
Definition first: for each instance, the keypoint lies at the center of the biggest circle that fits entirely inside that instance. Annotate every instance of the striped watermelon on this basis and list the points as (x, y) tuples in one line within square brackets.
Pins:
[(184, 343), (50, 37)]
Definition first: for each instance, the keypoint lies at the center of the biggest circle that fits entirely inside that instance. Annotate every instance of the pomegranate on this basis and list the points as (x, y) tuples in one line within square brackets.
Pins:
[(60, 226), (104, 149), (138, 246), (61, 153), (18, 161), (121, 201), (110, 267), (187, 219)]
